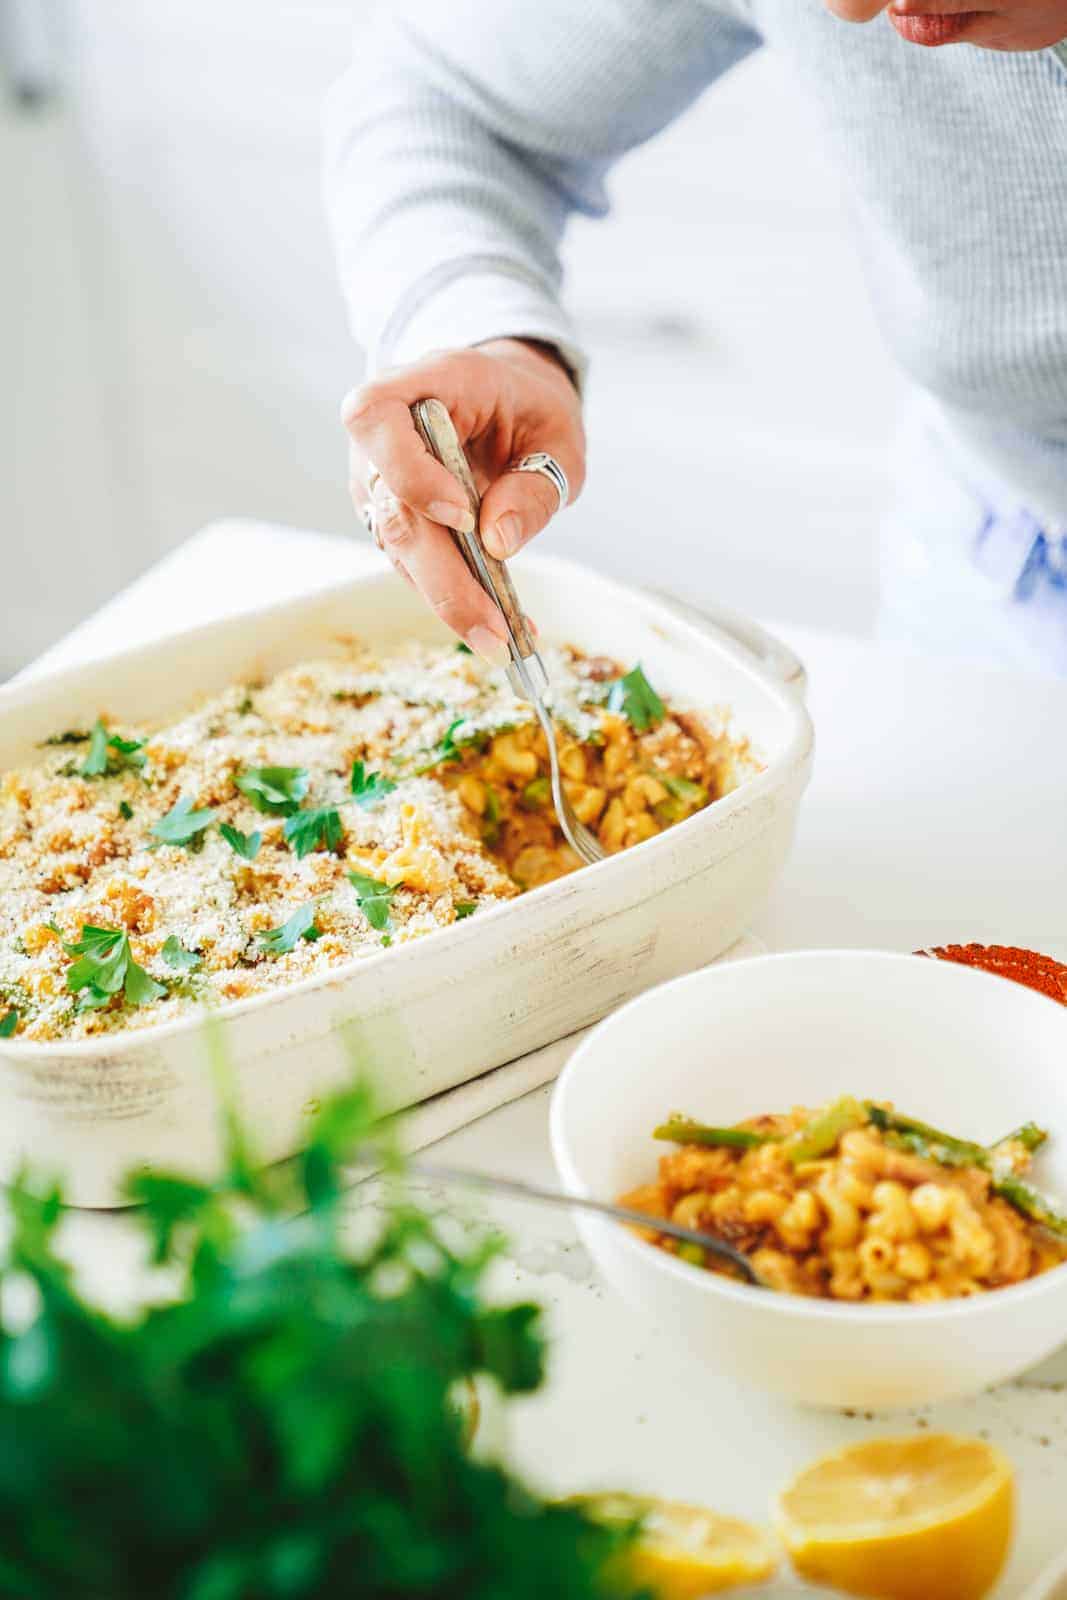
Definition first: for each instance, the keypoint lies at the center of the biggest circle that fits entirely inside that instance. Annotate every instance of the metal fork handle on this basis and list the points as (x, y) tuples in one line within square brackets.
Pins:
[(521, 1190), (437, 432)]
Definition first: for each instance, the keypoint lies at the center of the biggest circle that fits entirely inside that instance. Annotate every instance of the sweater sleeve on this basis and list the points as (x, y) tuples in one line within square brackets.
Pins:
[(466, 132)]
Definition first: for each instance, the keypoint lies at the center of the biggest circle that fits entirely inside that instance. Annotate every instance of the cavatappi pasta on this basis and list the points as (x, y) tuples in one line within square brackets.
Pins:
[(287, 826), (857, 1203)]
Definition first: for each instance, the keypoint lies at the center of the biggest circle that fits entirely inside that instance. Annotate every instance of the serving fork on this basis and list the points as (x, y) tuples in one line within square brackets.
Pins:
[(519, 1189), (526, 670)]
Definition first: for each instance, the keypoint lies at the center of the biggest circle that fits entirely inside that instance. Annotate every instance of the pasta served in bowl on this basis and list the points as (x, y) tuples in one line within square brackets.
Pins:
[(902, 1264), (857, 1202)]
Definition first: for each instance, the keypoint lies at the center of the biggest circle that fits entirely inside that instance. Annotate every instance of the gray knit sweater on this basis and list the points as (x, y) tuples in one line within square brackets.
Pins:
[(468, 130)]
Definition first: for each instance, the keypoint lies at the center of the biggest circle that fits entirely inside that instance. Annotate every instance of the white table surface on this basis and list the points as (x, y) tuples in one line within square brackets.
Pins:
[(936, 814)]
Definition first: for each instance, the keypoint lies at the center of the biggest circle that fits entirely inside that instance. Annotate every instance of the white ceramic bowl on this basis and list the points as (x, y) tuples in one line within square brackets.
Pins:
[(970, 1052)]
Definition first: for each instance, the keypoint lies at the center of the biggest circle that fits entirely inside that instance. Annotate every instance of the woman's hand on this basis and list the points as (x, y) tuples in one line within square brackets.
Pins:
[(507, 399)]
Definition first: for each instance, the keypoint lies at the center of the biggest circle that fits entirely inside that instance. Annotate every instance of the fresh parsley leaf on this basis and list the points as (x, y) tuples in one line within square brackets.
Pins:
[(465, 908), (301, 925), (125, 810), (449, 747), (8, 1023), (138, 987), (245, 844), (635, 698), (177, 956), (109, 752), (105, 967), (129, 748), (277, 791), (374, 900), (368, 788), (387, 940), (306, 830), (71, 736), (182, 825), (463, 649), (246, 706)]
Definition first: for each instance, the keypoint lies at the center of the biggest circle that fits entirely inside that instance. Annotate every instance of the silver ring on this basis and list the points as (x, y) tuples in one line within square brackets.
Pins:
[(549, 468)]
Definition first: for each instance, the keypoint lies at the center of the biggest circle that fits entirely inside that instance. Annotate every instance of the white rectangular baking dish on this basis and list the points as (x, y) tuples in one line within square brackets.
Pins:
[(434, 1013)]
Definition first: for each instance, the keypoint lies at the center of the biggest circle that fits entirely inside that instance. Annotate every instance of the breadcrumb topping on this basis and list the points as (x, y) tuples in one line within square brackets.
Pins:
[(78, 851)]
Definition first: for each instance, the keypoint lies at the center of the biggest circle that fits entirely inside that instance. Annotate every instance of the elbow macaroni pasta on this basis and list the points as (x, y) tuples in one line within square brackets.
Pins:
[(870, 1222)]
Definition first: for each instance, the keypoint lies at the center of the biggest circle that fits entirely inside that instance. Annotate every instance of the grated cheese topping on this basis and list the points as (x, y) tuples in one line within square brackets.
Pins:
[(78, 851)]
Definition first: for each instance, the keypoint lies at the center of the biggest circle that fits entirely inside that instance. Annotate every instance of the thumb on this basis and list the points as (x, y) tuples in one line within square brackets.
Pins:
[(517, 506)]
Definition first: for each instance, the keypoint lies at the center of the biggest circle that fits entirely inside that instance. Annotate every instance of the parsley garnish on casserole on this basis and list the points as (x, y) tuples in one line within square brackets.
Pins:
[(357, 803)]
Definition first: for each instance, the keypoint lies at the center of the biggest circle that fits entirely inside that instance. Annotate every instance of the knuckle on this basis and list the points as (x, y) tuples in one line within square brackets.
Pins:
[(395, 524), (359, 408), (452, 610)]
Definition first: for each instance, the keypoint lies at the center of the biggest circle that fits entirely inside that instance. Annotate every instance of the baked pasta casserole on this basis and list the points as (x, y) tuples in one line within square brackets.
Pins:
[(856, 1202), (287, 826)]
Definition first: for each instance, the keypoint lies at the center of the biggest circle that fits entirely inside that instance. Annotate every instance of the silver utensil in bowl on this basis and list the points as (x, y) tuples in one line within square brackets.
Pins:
[(526, 670), (519, 1189)]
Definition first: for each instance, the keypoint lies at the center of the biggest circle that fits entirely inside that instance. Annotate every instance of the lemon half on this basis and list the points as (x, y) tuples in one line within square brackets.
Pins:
[(928, 1517), (686, 1551)]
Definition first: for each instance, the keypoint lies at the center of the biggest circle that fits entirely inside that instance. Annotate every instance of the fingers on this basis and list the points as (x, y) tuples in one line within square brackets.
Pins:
[(514, 508), (426, 553), (378, 419)]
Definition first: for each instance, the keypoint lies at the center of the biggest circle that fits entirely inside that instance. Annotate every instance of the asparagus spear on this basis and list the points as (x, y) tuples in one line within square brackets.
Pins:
[(683, 1130), (938, 1146), (820, 1134), (944, 1148), (951, 1152), (1032, 1203), (1030, 1136)]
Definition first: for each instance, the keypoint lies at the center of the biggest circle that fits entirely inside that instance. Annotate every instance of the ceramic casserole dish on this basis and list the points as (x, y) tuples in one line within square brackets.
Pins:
[(440, 1010)]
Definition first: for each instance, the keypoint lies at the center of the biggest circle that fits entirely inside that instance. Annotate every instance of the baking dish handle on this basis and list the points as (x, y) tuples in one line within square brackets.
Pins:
[(774, 656)]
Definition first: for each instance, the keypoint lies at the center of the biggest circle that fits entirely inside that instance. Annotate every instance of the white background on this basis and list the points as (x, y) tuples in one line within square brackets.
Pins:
[(175, 349)]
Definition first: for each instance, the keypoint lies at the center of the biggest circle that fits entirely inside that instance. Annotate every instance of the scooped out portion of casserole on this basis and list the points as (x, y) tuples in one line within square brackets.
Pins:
[(285, 827)]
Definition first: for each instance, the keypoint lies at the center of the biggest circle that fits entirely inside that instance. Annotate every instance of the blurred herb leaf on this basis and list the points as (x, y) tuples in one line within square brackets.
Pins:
[(109, 752), (284, 1422)]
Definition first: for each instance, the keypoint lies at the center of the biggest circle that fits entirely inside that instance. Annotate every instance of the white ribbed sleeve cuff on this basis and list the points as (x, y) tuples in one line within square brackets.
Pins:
[(468, 302)]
